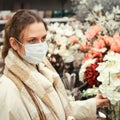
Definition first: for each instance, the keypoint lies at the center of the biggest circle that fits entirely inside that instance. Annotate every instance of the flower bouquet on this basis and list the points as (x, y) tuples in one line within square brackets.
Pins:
[(109, 76), (107, 72)]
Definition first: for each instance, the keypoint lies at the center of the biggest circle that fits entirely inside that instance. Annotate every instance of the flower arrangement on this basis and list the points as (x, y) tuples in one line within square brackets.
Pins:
[(109, 75), (76, 38), (65, 39), (84, 41), (104, 73), (95, 56), (96, 40), (95, 10)]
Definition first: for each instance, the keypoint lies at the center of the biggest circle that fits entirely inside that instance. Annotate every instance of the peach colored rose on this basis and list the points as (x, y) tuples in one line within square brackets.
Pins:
[(99, 43), (85, 46), (115, 46), (92, 54), (108, 40), (73, 39), (92, 31), (87, 56)]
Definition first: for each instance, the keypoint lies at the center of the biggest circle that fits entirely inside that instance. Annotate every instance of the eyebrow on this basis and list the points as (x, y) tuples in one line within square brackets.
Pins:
[(29, 38)]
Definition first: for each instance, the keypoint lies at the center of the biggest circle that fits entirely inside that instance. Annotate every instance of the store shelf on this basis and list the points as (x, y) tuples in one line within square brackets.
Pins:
[(2, 22), (64, 19)]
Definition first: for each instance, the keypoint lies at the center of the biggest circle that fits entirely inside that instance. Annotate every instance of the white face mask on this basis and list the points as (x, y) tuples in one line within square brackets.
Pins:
[(35, 53)]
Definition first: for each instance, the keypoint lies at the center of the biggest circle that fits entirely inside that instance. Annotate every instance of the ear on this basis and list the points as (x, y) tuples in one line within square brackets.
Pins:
[(13, 43)]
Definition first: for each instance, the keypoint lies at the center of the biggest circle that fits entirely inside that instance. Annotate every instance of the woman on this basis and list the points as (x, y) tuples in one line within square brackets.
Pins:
[(30, 89)]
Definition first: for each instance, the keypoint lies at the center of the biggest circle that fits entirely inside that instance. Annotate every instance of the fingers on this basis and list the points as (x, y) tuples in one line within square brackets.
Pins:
[(105, 102), (101, 101), (100, 96)]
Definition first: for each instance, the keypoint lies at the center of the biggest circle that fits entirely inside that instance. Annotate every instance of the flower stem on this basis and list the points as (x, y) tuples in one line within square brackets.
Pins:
[(109, 79)]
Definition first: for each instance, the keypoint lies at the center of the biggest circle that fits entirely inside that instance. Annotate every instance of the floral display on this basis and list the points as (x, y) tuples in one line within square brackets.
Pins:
[(85, 42), (100, 47), (65, 39), (109, 75), (94, 42), (98, 30), (95, 9)]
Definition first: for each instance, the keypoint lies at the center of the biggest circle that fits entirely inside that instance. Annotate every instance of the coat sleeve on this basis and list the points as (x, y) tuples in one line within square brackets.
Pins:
[(81, 110), (11, 105), (84, 110)]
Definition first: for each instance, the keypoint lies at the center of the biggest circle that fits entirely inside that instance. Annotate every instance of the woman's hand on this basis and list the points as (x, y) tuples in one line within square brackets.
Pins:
[(101, 101)]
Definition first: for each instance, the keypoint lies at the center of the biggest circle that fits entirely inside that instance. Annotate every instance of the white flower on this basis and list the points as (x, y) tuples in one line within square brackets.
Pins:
[(80, 35), (52, 27), (110, 57), (116, 9), (83, 2), (110, 93), (90, 17), (91, 91), (109, 75), (98, 8)]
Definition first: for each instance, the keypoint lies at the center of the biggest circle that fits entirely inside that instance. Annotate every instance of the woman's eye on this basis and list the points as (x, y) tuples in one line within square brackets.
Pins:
[(43, 39), (32, 41)]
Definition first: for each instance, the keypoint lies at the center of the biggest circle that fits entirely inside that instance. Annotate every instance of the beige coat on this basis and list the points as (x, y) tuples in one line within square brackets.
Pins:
[(15, 103)]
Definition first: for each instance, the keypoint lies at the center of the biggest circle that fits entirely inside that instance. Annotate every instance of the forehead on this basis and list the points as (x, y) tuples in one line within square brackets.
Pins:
[(36, 29)]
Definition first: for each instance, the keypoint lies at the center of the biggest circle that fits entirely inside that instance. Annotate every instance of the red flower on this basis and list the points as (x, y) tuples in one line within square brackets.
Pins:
[(91, 74)]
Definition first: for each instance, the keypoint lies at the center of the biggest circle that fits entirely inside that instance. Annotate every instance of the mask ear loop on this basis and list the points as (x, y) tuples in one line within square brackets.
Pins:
[(19, 42)]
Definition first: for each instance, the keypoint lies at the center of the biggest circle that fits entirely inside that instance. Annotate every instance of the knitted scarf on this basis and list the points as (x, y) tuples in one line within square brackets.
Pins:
[(38, 85)]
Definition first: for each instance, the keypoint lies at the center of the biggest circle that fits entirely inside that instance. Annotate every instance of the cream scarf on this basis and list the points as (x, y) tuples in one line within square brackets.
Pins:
[(37, 86)]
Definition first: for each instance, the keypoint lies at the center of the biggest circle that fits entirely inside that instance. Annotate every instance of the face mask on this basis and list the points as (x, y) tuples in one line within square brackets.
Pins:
[(35, 53)]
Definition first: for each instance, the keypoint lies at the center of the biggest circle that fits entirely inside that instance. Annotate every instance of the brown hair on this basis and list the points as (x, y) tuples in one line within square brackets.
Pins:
[(14, 27)]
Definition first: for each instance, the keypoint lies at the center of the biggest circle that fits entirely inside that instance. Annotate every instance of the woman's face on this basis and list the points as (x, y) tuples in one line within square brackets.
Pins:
[(34, 33)]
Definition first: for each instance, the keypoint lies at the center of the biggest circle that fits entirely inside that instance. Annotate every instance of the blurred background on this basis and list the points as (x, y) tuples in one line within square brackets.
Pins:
[(47, 8), (31, 4)]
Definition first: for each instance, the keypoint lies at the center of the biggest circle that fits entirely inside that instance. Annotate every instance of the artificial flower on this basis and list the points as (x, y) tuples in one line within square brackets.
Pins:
[(92, 31), (109, 75)]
